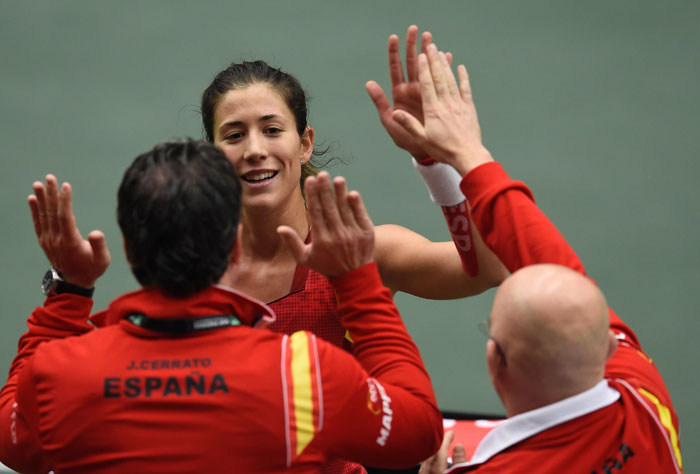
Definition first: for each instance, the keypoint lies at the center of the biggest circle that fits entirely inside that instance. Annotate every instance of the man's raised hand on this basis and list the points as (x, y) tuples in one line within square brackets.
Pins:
[(80, 261)]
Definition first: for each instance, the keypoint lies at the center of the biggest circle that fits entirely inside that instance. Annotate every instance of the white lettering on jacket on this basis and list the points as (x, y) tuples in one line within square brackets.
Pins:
[(13, 425), (387, 417)]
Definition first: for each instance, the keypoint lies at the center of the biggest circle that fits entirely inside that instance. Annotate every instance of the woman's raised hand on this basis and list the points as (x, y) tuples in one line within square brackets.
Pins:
[(342, 236), (449, 131)]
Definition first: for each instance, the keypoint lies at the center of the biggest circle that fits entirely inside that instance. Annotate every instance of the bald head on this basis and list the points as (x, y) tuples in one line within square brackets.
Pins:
[(552, 324)]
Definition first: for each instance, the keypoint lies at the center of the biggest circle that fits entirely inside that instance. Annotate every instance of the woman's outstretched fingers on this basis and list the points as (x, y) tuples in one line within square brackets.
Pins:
[(412, 53), (395, 65), (299, 249), (376, 93), (411, 124), (313, 205), (327, 200), (341, 199), (359, 211)]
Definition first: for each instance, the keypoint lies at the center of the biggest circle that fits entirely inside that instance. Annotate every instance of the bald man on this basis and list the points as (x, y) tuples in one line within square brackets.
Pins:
[(580, 394), (554, 323)]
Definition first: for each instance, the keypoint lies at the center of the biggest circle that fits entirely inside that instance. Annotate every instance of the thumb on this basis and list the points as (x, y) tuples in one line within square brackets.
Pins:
[(442, 454), (459, 454), (99, 249), (294, 242), (411, 124), (376, 93), (426, 467)]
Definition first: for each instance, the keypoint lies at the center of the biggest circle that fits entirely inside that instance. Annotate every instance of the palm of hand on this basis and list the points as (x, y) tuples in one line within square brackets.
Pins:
[(76, 259), (407, 97), (81, 261)]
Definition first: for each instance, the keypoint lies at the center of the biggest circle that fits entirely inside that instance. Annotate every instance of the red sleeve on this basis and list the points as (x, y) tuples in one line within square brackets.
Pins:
[(62, 316), (520, 234), (511, 224), (516, 230), (382, 411)]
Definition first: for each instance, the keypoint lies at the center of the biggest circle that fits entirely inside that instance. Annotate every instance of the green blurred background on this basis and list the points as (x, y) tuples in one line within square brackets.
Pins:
[(594, 104)]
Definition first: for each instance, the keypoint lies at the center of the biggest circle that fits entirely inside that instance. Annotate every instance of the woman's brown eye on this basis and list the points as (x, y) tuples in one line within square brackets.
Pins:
[(233, 136)]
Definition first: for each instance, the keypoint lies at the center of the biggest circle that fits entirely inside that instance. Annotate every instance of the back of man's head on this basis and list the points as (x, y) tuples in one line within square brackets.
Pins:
[(552, 325), (178, 210)]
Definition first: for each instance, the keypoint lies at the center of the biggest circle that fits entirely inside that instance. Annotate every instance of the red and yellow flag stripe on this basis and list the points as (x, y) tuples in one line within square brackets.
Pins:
[(667, 421), (304, 397)]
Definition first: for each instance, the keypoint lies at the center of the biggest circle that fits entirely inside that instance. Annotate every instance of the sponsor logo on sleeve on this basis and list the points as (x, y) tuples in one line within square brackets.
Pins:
[(379, 404), (13, 424), (374, 405)]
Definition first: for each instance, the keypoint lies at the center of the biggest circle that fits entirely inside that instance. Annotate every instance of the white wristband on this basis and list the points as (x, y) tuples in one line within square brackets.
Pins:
[(442, 182)]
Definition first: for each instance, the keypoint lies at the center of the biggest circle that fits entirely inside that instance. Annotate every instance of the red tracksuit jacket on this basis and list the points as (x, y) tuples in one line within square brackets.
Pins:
[(235, 399), (627, 423)]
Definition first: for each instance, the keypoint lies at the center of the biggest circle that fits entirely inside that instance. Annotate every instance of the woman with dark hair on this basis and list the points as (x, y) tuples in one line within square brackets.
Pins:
[(257, 115)]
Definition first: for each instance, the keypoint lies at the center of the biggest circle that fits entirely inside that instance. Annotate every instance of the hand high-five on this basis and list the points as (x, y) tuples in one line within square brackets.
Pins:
[(449, 131), (406, 94), (80, 261), (438, 462), (342, 233)]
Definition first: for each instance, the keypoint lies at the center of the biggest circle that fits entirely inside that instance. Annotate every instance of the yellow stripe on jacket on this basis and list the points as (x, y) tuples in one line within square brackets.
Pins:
[(665, 418), (302, 389)]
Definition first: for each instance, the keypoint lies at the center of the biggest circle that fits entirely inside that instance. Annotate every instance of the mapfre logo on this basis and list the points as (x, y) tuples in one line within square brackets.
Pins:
[(379, 403), (13, 424), (373, 403)]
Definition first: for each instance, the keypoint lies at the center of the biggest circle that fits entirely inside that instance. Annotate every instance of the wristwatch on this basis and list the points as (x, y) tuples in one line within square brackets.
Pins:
[(53, 284)]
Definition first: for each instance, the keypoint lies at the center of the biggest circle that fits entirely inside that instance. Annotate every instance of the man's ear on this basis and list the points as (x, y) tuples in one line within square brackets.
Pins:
[(307, 144), (494, 361), (612, 344), (126, 254), (497, 374)]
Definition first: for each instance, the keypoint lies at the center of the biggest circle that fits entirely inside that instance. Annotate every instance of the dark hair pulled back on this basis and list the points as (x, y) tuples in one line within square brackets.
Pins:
[(244, 74)]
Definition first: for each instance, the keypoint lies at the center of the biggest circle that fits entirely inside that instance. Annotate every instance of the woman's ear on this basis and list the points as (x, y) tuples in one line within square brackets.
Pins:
[(307, 144)]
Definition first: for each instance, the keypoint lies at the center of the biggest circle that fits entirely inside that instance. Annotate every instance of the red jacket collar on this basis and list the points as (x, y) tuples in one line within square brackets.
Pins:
[(213, 300)]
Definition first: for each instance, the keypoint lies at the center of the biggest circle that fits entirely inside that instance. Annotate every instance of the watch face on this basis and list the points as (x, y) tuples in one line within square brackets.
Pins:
[(51, 278)]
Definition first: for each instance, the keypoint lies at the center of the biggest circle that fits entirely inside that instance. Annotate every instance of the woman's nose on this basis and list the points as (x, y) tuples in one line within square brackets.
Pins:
[(254, 148)]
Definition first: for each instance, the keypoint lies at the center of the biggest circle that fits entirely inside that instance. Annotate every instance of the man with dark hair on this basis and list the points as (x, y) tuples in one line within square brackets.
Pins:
[(185, 382), (171, 205)]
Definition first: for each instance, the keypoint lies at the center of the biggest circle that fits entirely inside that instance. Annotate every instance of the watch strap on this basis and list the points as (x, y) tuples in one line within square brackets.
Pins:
[(65, 287)]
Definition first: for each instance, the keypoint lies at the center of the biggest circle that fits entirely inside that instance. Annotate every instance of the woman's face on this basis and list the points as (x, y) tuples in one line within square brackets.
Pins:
[(257, 132)]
